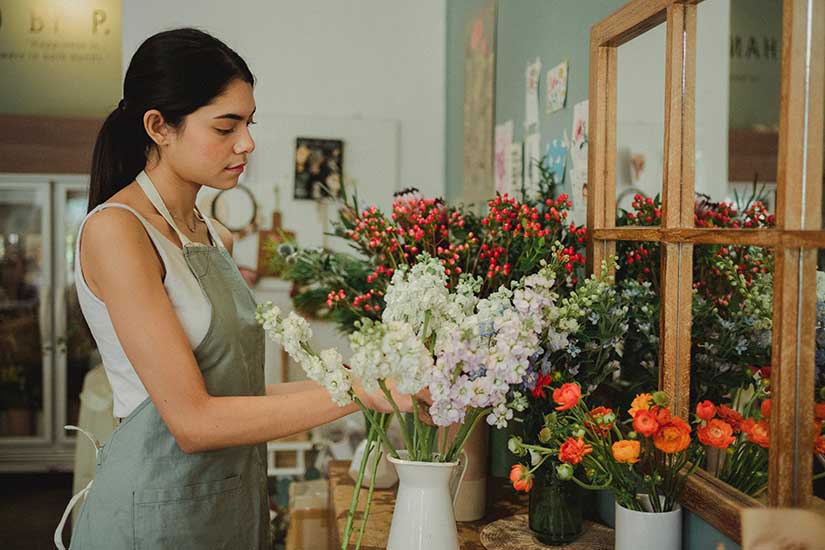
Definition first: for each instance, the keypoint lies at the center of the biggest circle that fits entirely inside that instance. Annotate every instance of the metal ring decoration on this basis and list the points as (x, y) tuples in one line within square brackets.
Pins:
[(251, 226)]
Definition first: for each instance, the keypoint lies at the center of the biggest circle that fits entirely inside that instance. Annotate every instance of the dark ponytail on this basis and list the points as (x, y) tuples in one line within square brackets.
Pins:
[(176, 72)]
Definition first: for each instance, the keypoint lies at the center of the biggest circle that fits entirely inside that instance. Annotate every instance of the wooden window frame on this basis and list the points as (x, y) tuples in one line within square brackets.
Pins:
[(795, 239)]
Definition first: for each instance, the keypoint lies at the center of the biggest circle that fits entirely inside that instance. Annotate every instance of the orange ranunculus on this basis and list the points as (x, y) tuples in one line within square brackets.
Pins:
[(574, 450), (730, 416), (567, 396), (819, 439), (626, 451), (521, 477), (673, 437), (705, 410), (644, 423), (819, 411), (765, 407), (599, 424), (641, 402), (757, 432), (662, 414), (717, 433)]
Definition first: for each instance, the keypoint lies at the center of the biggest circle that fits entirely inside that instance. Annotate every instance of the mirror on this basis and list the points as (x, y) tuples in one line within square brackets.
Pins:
[(640, 127), (738, 79)]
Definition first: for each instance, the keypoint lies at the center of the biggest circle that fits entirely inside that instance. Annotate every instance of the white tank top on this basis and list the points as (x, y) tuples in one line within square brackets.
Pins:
[(189, 301)]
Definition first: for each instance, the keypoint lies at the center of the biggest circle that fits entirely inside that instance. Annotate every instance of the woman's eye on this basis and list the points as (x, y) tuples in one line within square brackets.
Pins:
[(223, 132), (251, 122)]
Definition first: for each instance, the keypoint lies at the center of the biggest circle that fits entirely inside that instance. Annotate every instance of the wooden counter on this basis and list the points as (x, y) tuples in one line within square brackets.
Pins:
[(507, 502)]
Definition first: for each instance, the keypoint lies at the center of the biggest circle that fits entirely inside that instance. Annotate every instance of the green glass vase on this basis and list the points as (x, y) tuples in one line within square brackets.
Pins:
[(555, 511)]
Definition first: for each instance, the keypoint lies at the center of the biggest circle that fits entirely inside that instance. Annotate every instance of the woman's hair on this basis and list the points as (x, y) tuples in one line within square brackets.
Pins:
[(176, 72)]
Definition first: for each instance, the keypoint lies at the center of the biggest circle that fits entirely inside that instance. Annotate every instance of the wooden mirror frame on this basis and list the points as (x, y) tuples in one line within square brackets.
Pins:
[(795, 239)]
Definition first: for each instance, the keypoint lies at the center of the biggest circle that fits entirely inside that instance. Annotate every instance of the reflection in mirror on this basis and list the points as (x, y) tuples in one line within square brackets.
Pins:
[(640, 123), (819, 381), (731, 361), (738, 76), (637, 280)]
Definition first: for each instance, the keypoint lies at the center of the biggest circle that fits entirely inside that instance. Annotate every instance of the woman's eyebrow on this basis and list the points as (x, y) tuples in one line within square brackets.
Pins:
[(233, 116)]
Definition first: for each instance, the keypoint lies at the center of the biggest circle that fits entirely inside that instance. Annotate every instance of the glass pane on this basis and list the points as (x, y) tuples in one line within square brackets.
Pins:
[(819, 374), (638, 284), (640, 127), (738, 75), (23, 286), (77, 343), (731, 361)]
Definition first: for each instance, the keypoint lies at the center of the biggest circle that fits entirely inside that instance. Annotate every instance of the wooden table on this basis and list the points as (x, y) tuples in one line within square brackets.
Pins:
[(502, 501)]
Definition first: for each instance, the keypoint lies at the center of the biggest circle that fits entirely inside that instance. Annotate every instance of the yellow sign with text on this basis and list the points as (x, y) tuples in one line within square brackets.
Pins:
[(60, 57)]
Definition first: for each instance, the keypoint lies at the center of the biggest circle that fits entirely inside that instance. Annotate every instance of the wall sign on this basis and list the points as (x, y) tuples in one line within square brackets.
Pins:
[(60, 58)]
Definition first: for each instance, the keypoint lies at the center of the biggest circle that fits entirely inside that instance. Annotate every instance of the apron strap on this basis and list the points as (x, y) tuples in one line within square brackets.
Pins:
[(156, 200), (216, 238), (58, 533)]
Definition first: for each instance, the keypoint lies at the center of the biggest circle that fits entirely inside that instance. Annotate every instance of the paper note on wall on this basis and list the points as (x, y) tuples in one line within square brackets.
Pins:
[(517, 168), (501, 165), (556, 87), (532, 156), (578, 161), (555, 159), (531, 98)]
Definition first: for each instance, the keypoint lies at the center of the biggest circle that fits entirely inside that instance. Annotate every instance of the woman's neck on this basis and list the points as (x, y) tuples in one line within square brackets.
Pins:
[(178, 194)]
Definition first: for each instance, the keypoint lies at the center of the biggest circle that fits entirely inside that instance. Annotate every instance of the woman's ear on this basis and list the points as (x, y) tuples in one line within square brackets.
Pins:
[(156, 127)]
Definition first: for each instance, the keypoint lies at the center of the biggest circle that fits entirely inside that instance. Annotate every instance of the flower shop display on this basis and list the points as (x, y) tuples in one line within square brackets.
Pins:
[(645, 465), (471, 353), (733, 291), (448, 300)]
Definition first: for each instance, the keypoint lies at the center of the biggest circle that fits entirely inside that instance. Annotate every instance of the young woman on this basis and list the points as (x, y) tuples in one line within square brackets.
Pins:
[(173, 318)]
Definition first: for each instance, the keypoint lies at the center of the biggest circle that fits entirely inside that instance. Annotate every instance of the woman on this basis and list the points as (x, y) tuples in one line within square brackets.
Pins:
[(173, 318)]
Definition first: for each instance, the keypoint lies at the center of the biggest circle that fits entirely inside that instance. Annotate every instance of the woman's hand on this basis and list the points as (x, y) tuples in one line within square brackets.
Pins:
[(378, 401)]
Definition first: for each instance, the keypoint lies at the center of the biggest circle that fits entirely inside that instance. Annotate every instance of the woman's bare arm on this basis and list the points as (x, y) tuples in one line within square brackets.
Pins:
[(127, 277)]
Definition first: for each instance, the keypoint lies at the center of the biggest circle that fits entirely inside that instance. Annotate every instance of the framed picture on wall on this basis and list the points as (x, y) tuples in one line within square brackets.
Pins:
[(319, 168)]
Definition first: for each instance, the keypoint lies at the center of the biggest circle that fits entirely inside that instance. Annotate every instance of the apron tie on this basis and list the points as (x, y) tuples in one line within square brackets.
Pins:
[(58, 533)]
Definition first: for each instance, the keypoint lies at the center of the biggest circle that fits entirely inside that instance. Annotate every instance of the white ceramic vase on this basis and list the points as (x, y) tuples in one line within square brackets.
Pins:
[(423, 518), (662, 531)]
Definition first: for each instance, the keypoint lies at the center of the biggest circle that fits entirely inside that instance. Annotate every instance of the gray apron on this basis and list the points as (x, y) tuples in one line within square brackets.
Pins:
[(149, 494)]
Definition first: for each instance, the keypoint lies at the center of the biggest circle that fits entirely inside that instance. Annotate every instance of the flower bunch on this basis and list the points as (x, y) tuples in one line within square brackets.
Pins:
[(592, 349), (652, 457), (471, 353), (732, 299), (294, 334)]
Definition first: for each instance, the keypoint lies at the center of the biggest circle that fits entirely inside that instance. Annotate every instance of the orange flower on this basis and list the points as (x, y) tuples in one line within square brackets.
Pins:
[(642, 402), (573, 450), (765, 407), (567, 396), (521, 477), (662, 414), (730, 416), (626, 451), (757, 432), (673, 437), (717, 433), (819, 411), (705, 410), (599, 425), (645, 423)]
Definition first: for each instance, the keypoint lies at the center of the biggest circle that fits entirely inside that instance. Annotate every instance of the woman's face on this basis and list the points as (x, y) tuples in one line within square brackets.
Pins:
[(213, 145)]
